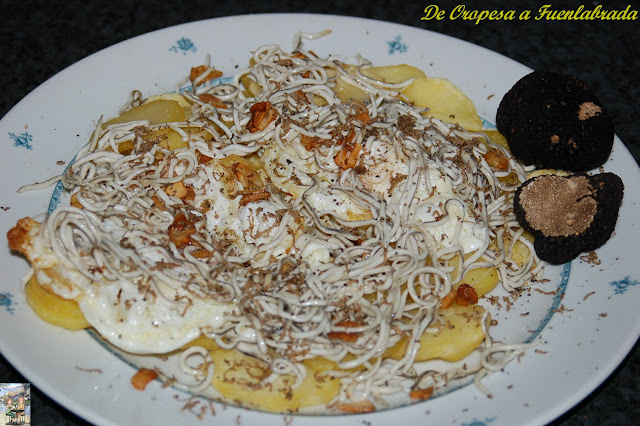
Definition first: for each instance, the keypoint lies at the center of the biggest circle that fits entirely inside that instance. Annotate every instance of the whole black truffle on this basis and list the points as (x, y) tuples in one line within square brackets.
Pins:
[(569, 215), (555, 121)]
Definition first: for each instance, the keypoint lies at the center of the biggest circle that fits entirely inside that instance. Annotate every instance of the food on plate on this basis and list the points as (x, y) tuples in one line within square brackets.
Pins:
[(143, 377), (52, 308), (309, 233), (445, 101), (439, 97), (555, 121), (569, 215)]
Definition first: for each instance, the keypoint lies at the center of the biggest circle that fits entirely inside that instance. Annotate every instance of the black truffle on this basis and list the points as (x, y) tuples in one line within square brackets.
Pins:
[(555, 121), (569, 215)]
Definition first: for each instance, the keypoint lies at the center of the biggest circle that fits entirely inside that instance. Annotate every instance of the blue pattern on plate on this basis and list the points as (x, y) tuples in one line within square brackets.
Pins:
[(396, 45), (6, 300), (557, 298), (487, 124), (55, 197), (58, 190), (23, 139), (476, 422), (184, 45), (623, 285)]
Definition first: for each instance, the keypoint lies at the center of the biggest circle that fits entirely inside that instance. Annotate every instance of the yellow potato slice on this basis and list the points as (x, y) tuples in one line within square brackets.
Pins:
[(167, 138), (348, 92), (457, 338), (240, 377), (445, 102), (184, 103), (389, 74), (459, 335), (53, 308), (172, 140), (520, 253), (201, 341), (483, 280), (497, 138), (252, 88), (156, 112), (393, 73)]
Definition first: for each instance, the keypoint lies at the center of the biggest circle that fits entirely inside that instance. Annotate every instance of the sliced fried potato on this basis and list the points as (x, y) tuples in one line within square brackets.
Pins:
[(167, 138), (483, 280), (393, 73), (520, 253), (460, 334), (398, 350), (240, 377), (445, 102), (252, 88), (172, 140), (497, 138), (203, 342), (348, 92), (156, 112), (53, 308), (184, 103)]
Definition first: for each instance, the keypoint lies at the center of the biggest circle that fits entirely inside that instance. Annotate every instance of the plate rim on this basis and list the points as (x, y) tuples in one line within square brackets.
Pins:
[(61, 397)]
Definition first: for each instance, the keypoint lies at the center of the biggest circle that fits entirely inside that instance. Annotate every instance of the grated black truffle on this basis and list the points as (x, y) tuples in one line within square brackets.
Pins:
[(569, 215), (555, 121)]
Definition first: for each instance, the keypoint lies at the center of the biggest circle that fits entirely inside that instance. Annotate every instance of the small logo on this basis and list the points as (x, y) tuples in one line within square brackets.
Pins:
[(184, 45), (23, 140), (15, 402), (397, 46)]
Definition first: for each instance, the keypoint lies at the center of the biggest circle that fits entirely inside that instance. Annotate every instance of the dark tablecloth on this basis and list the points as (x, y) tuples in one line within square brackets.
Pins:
[(41, 38)]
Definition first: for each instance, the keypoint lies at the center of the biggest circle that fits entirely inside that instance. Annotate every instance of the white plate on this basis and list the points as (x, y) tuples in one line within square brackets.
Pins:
[(597, 325)]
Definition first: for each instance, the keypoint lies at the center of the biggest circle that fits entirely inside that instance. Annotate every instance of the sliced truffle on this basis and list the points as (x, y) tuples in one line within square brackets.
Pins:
[(569, 215), (555, 121)]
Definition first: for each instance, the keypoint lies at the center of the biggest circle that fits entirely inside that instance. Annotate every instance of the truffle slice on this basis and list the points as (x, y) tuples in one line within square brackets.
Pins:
[(569, 215), (555, 121)]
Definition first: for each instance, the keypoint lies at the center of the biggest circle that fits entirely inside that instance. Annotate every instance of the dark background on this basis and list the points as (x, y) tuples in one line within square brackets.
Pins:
[(40, 38)]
